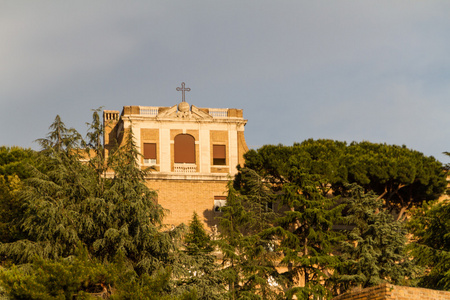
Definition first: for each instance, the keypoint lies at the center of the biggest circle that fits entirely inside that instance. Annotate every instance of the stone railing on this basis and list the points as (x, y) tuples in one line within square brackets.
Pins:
[(184, 168), (218, 112), (148, 110)]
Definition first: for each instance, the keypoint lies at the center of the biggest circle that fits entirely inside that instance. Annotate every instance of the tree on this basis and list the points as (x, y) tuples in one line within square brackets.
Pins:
[(15, 161), (10, 207), (306, 176), (203, 275), (259, 198), (430, 226), (94, 148), (255, 240), (60, 138), (82, 277), (403, 178), (306, 232), (374, 250), (15, 165), (197, 241), (249, 257), (62, 278), (65, 205)]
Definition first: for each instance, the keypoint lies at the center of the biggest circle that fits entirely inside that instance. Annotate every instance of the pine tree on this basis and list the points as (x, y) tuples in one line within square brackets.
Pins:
[(430, 226), (259, 198), (249, 259), (94, 149), (203, 276), (66, 204), (307, 238), (375, 248)]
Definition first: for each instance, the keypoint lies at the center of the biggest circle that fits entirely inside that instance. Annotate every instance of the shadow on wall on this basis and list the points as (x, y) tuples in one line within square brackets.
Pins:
[(211, 217)]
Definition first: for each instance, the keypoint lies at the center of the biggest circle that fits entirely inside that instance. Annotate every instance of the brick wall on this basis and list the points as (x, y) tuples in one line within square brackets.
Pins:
[(183, 197), (394, 292)]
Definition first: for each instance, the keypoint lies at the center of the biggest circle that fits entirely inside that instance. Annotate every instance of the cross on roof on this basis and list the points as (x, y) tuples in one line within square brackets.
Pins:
[(183, 90)]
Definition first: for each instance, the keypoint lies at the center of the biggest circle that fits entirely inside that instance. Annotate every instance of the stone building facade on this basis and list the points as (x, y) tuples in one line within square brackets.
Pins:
[(193, 151)]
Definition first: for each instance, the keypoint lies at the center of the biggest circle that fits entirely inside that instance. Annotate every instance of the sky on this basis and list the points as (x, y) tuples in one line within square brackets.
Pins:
[(376, 71)]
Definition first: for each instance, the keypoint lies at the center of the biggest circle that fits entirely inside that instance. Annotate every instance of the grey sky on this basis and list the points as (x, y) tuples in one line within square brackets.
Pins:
[(344, 70)]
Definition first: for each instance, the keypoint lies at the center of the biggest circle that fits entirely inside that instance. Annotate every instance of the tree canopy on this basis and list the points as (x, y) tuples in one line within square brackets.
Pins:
[(66, 206), (15, 161), (309, 220), (430, 227), (374, 249), (403, 178)]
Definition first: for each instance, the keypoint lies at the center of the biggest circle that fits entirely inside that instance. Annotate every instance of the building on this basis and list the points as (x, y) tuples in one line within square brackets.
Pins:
[(194, 152)]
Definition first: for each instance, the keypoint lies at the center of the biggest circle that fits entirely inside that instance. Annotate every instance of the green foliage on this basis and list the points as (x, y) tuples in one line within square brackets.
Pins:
[(68, 230), (15, 161), (60, 138), (95, 151), (80, 277), (10, 207), (197, 239), (374, 250), (203, 278), (430, 226), (64, 278), (145, 286), (306, 236), (258, 197), (66, 203), (249, 259), (404, 178), (305, 176), (15, 165)]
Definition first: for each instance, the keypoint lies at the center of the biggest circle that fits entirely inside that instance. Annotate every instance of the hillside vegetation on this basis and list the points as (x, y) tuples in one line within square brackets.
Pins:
[(314, 219)]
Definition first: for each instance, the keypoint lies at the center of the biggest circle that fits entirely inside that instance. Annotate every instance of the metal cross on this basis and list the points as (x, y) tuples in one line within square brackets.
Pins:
[(183, 89)]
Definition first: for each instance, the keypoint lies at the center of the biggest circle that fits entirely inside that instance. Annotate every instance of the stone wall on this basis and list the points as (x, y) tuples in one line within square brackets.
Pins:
[(394, 292)]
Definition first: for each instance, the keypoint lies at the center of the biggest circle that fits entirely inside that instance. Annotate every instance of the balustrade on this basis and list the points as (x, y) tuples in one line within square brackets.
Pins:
[(185, 168), (218, 112), (148, 111)]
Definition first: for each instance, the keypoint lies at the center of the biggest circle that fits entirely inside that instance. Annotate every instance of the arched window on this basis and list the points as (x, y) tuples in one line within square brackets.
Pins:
[(184, 148)]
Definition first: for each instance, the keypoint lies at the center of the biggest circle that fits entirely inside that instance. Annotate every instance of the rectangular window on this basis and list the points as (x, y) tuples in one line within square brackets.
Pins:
[(219, 202), (219, 155), (150, 153)]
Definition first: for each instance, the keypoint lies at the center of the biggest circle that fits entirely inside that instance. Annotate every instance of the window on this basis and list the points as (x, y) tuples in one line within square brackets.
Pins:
[(150, 153), (219, 157), (184, 148), (219, 202)]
